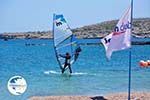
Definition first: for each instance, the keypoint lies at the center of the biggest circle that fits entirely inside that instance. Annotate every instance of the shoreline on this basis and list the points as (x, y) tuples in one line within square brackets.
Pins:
[(2, 38), (141, 29), (139, 95), (134, 42)]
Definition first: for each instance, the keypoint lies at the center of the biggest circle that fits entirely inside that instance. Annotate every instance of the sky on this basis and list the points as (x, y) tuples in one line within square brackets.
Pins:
[(37, 15)]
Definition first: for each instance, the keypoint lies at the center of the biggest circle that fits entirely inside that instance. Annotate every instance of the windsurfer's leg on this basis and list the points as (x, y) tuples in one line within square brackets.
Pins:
[(63, 69), (69, 68), (76, 56)]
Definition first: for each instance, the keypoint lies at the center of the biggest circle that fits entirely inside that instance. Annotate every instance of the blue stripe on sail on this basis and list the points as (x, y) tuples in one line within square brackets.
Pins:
[(61, 18)]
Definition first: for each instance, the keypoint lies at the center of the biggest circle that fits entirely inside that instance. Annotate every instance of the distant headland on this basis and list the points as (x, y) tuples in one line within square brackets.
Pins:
[(141, 29)]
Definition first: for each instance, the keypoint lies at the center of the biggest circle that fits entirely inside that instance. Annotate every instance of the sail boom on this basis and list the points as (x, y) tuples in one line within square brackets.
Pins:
[(65, 45)]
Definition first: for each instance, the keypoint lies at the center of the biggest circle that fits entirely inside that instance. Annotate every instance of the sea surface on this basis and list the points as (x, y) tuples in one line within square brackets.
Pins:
[(92, 74)]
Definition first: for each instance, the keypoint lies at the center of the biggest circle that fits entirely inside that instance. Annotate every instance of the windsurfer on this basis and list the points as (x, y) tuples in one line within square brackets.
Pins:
[(67, 62), (77, 51)]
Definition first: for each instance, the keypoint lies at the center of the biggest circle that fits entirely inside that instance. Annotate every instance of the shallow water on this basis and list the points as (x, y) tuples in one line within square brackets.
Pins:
[(92, 73)]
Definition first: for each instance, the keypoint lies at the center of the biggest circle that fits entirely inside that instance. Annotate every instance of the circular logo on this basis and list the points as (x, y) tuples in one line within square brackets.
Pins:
[(17, 85)]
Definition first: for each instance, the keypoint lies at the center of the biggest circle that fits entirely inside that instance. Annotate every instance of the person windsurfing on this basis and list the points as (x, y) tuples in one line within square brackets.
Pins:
[(67, 62), (77, 52)]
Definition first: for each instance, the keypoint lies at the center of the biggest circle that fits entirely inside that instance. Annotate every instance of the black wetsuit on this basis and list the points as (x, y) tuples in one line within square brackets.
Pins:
[(77, 51), (67, 63), (76, 56)]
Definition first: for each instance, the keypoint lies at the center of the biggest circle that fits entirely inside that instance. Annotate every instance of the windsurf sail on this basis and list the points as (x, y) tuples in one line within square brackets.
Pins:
[(64, 40)]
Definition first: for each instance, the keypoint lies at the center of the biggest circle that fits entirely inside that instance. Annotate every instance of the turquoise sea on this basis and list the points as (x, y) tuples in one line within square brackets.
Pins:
[(92, 74)]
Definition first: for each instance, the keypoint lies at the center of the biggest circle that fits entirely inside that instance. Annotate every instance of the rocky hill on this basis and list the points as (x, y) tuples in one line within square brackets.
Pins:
[(141, 29)]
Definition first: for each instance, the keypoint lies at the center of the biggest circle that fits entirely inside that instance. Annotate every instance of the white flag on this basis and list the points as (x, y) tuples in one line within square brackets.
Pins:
[(120, 38)]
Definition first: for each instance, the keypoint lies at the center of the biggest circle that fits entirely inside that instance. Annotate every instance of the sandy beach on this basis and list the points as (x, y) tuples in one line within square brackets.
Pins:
[(115, 96)]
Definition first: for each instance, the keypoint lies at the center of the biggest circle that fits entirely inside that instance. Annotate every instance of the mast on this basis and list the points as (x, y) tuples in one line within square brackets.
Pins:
[(54, 42)]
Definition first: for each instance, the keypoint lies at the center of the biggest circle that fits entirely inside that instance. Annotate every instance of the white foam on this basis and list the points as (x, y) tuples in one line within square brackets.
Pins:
[(59, 73), (51, 72), (79, 73)]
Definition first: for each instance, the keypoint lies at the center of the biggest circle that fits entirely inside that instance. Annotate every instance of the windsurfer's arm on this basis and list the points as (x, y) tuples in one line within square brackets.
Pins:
[(78, 49), (62, 55)]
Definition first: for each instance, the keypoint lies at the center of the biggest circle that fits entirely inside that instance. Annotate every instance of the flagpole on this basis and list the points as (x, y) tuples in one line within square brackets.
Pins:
[(129, 84), (130, 57)]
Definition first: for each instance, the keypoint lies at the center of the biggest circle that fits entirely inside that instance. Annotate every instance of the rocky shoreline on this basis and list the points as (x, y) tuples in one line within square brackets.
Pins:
[(141, 29)]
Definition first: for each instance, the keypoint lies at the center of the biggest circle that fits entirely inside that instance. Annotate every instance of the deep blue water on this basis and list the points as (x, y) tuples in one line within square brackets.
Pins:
[(92, 73)]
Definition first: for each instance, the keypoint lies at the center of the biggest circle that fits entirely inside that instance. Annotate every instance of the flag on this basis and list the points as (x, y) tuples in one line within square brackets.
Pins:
[(120, 38)]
